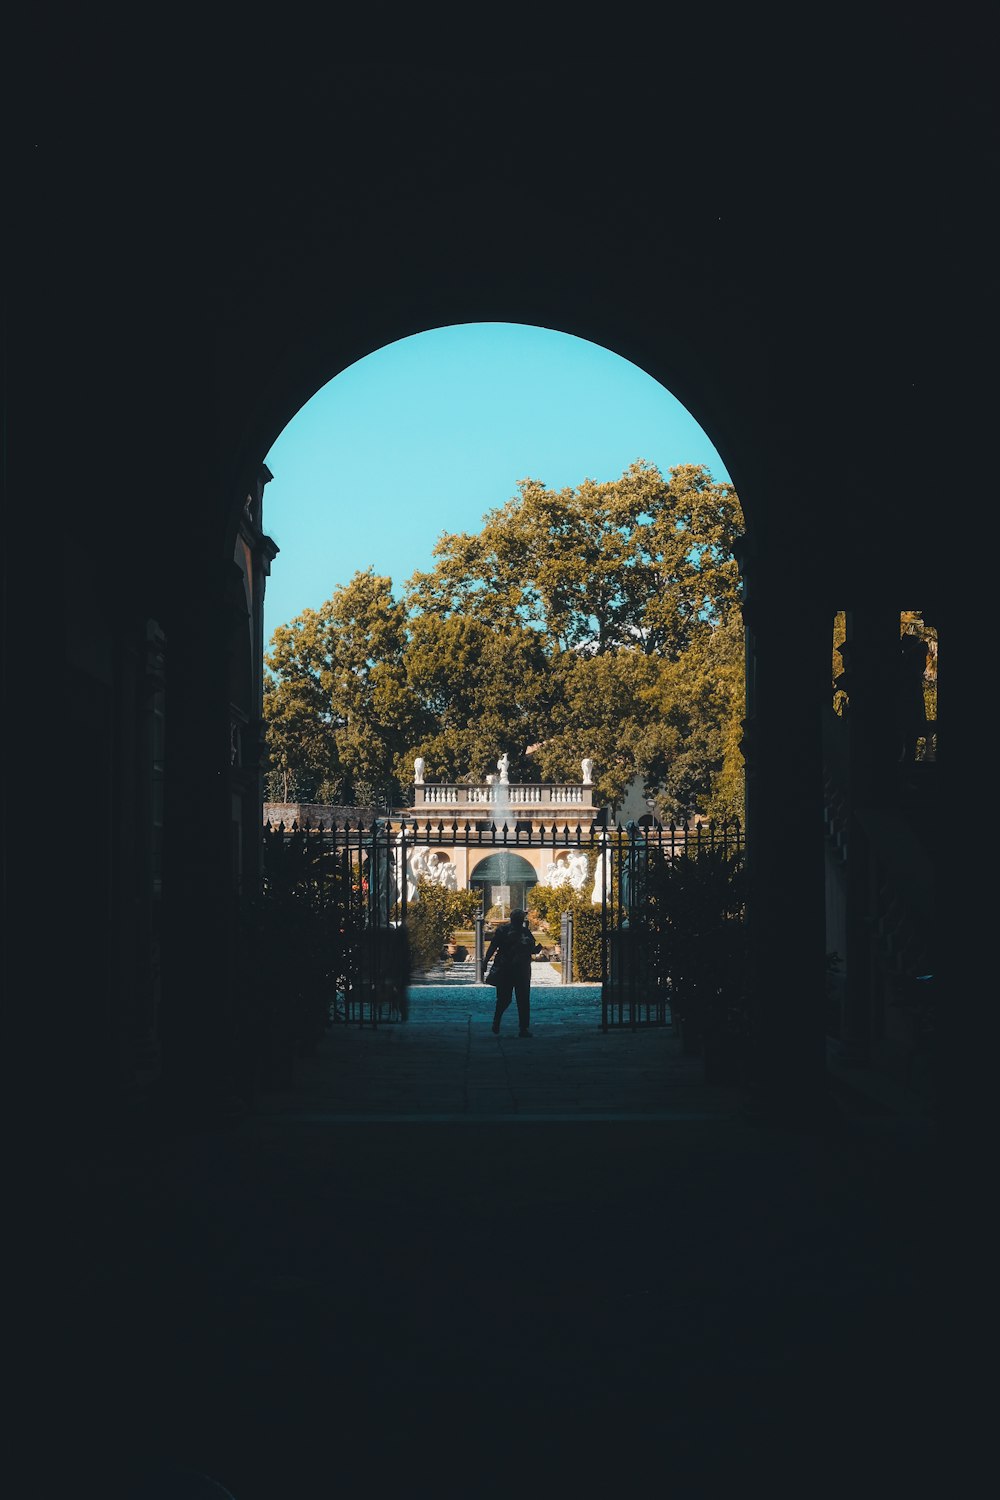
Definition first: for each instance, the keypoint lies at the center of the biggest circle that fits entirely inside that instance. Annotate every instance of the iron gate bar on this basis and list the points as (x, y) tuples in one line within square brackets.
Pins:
[(360, 870)]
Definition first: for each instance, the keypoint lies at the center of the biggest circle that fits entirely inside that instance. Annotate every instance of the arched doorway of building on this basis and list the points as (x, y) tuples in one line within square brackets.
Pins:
[(710, 359), (625, 539), (505, 880), (667, 488)]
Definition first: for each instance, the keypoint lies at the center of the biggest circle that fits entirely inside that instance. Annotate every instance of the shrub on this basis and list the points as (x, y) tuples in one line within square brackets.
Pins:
[(586, 941), (550, 902), (695, 904), (291, 953), (434, 918)]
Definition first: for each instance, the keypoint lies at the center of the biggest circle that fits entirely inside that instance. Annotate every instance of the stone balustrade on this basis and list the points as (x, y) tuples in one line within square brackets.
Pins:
[(523, 795)]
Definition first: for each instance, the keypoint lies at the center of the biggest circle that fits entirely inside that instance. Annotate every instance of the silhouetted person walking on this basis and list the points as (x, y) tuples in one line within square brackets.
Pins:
[(514, 945)]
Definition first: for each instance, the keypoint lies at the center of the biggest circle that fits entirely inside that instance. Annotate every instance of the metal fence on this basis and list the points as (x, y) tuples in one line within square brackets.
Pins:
[(672, 927), (665, 895)]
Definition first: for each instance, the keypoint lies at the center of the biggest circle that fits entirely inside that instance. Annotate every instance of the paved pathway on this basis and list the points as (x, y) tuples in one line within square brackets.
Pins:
[(446, 1265), (445, 1062), (577, 1005)]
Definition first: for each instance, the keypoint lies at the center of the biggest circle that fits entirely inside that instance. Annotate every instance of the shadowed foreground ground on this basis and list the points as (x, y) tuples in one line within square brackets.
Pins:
[(459, 1295)]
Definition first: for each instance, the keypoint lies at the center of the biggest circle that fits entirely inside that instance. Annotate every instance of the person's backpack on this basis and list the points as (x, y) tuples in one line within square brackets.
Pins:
[(501, 965)]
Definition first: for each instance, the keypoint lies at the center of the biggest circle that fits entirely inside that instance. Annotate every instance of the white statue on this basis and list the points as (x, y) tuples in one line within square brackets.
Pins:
[(416, 866), (397, 860), (442, 871), (384, 871), (418, 770), (568, 868), (437, 868), (503, 766), (602, 878), (587, 766)]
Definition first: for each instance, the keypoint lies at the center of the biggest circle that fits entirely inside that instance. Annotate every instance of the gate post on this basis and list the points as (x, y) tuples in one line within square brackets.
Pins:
[(566, 946), (788, 685), (478, 922)]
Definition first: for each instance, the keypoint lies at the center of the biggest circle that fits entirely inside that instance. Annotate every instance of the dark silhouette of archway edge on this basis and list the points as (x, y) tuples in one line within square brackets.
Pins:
[(705, 351), (205, 364), (311, 369), (214, 292)]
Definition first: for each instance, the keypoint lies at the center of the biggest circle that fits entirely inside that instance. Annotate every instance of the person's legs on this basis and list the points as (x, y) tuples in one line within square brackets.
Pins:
[(522, 989), (504, 995)]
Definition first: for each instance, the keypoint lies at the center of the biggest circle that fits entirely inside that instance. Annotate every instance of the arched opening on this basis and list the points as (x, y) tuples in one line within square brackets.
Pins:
[(616, 597), (626, 503), (504, 879), (655, 1294), (680, 355)]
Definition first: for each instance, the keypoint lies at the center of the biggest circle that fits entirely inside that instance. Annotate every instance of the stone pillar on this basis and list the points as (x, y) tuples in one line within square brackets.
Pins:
[(265, 551), (788, 677), (199, 897), (870, 655), (871, 663), (966, 1011), (566, 946), (141, 709)]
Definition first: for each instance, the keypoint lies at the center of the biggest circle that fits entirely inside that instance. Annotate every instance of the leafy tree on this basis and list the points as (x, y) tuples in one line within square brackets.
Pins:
[(638, 563), (689, 750), (473, 689), (600, 709), (336, 708), (601, 620), (297, 708), (913, 623)]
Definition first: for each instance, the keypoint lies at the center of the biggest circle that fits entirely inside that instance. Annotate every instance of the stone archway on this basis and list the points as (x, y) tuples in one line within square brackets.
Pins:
[(724, 403), (259, 284), (674, 331), (781, 712), (505, 878)]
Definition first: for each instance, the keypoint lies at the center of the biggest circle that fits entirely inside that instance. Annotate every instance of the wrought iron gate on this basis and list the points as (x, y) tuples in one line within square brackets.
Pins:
[(655, 890), (671, 924)]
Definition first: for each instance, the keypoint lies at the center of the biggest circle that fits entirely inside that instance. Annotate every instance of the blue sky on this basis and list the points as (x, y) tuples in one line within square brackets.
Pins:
[(429, 433)]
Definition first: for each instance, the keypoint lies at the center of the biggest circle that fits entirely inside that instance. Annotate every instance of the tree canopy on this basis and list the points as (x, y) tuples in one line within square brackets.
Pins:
[(602, 621)]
